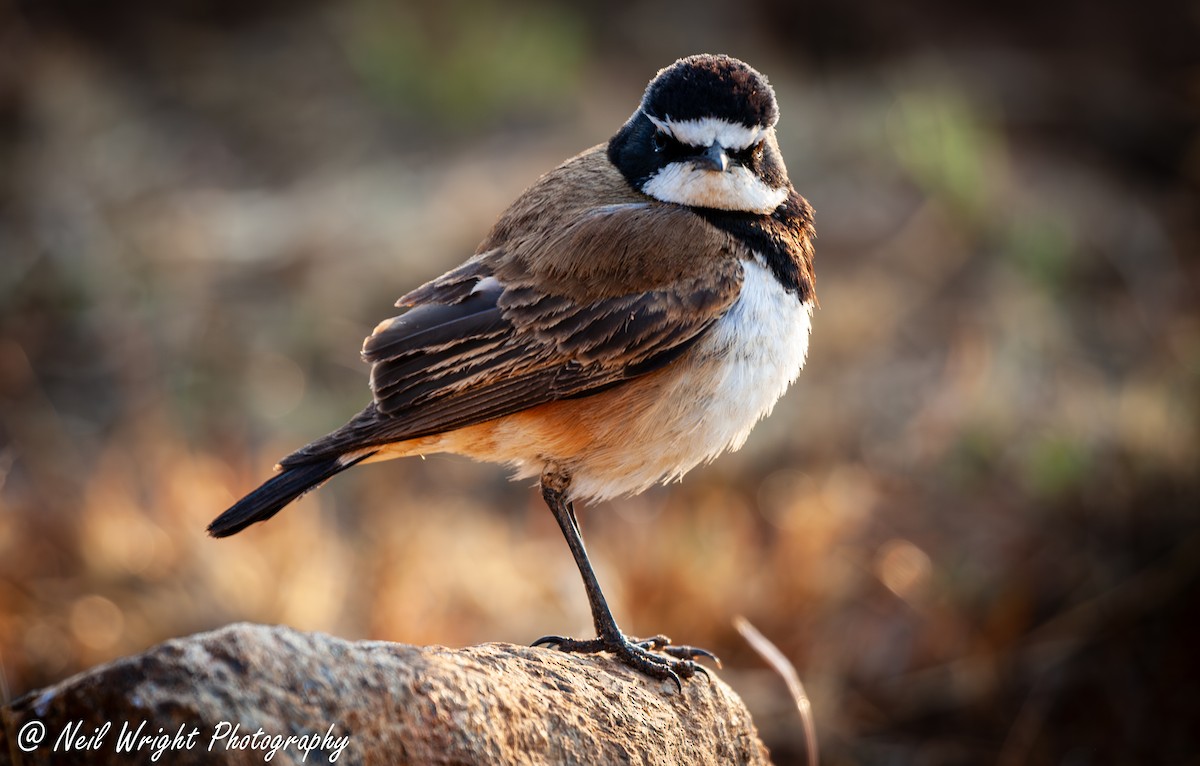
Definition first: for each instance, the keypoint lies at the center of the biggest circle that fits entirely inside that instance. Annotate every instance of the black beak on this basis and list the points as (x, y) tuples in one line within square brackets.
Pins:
[(713, 158)]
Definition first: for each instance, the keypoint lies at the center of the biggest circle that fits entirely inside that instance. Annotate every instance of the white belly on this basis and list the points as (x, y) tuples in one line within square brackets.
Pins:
[(727, 383)]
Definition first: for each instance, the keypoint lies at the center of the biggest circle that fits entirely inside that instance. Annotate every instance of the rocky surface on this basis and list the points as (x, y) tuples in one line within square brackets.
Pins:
[(246, 692)]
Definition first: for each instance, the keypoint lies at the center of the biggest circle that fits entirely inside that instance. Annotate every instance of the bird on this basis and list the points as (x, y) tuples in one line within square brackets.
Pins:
[(631, 315)]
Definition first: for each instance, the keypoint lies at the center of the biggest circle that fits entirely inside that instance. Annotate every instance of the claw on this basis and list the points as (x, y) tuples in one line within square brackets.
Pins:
[(654, 656), (572, 645), (690, 653), (678, 682)]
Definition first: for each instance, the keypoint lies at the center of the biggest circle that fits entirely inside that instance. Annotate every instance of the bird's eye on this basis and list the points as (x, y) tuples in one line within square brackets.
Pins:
[(661, 141)]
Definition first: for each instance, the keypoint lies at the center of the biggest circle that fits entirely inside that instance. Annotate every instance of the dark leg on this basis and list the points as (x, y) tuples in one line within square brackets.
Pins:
[(638, 654)]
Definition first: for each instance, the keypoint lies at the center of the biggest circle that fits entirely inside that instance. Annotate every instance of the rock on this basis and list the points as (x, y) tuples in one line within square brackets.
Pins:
[(249, 692)]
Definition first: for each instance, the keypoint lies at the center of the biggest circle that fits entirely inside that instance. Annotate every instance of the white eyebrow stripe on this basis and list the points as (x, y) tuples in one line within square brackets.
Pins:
[(709, 130)]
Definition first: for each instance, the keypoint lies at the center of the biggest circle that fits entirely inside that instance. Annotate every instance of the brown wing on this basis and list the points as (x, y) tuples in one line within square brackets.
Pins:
[(511, 329)]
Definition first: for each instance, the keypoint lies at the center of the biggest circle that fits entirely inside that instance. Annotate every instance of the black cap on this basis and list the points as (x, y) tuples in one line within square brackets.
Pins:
[(708, 85)]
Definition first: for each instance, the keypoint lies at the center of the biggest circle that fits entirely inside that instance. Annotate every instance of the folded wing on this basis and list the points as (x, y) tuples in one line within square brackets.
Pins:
[(494, 337)]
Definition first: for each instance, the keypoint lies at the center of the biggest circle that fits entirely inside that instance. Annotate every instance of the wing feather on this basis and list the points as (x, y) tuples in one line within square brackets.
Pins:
[(495, 336)]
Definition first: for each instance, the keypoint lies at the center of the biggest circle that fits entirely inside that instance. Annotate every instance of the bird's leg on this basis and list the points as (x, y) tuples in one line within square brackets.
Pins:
[(638, 654)]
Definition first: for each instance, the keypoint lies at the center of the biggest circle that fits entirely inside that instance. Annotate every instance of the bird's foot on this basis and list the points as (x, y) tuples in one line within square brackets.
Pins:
[(645, 655)]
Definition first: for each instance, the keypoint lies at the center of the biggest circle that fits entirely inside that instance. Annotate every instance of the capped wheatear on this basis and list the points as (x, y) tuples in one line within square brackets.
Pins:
[(634, 313)]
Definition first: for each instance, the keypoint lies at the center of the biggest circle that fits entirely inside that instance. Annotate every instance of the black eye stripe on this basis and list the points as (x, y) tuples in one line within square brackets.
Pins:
[(635, 150), (750, 154), (672, 148)]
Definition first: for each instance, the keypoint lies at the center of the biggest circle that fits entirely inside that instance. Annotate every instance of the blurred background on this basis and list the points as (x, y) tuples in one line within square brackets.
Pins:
[(972, 524)]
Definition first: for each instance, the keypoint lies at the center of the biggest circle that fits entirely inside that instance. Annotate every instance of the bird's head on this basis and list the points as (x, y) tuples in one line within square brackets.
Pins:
[(704, 136)]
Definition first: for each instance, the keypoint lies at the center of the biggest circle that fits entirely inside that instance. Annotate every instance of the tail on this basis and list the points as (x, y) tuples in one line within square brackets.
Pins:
[(275, 493)]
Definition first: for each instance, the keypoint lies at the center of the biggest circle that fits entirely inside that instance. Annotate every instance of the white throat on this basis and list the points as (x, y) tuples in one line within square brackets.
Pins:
[(734, 189)]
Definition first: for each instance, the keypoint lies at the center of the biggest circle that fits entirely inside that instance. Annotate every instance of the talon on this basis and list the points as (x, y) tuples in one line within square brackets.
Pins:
[(678, 682), (572, 645), (654, 656), (690, 653)]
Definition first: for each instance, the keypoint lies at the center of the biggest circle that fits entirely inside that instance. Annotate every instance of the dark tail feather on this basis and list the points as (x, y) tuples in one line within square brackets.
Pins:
[(275, 493)]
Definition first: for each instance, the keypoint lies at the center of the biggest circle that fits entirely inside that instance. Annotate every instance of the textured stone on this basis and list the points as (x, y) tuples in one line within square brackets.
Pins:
[(490, 704)]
